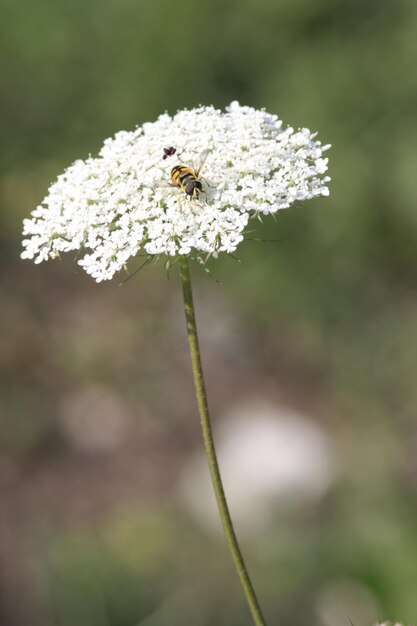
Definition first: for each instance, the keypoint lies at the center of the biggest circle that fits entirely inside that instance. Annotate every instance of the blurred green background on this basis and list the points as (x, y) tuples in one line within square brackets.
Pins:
[(99, 521)]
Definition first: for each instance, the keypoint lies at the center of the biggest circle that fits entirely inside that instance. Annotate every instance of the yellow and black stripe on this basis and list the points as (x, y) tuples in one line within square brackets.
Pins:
[(186, 179)]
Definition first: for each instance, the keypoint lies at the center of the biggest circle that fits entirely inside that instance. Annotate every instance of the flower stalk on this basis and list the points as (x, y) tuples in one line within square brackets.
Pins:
[(202, 403)]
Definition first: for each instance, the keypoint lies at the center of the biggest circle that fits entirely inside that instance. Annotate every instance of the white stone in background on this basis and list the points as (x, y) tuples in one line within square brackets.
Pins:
[(269, 457)]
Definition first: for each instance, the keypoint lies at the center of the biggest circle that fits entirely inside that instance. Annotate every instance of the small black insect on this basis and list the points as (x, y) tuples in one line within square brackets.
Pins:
[(168, 152)]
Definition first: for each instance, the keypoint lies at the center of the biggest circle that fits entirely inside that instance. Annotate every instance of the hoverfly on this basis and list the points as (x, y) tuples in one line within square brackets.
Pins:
[(185, 178)]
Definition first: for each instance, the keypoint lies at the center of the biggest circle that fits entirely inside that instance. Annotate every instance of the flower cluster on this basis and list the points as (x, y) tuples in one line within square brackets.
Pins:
[(124, 203)]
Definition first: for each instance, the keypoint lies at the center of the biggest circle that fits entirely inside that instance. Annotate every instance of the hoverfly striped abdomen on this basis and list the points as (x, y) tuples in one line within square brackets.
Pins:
[(187, 180)]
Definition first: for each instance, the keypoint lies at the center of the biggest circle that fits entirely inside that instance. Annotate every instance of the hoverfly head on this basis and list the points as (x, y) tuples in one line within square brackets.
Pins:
[(193, 188)]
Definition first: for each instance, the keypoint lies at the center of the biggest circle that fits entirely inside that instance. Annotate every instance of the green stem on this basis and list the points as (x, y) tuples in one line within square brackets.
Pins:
[(210, 447)]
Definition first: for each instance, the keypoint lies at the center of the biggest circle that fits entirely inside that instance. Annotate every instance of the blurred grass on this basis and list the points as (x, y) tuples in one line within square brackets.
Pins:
[(328, 313)]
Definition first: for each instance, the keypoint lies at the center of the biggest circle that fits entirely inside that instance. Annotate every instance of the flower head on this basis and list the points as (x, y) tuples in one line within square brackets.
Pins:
[(125, 202)]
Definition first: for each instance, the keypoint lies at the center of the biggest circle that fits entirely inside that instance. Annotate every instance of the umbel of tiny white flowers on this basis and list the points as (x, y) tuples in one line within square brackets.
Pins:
[(122, 203)]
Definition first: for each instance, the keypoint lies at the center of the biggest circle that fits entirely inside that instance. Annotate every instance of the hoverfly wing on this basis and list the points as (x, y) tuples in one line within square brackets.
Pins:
[(201, 160)]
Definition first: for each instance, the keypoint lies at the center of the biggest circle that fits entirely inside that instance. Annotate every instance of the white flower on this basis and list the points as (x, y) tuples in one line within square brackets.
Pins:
[(122, 203)]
